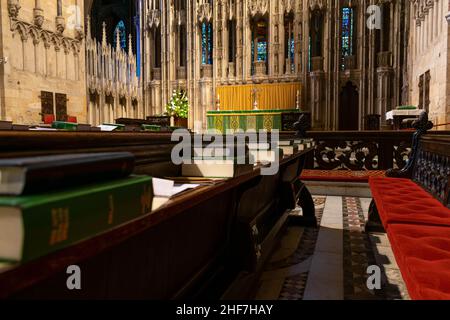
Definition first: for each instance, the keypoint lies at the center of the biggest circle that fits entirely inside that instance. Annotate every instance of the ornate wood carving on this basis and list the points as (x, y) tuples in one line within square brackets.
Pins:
[(370, 150), (353, 155), (302, 125), (422, 125), (432, 172)]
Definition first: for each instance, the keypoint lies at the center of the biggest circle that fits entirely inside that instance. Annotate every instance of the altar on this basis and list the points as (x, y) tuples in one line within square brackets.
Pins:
[(257, 120), (397, 116), (273, 106)]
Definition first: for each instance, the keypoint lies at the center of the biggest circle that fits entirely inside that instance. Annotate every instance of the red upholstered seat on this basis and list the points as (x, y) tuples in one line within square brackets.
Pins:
[(403, 201), (423, 255)]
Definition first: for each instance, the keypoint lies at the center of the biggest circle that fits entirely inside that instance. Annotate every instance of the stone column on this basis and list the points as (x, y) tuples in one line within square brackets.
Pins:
[(384, 72), (317, 78)]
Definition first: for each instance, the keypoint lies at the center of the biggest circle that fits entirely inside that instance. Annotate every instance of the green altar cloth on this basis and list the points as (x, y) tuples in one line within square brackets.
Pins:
[(267, 120)]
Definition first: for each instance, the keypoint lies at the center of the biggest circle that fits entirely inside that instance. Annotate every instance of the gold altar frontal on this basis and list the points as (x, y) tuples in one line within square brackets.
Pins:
[(278, 96), (276, 107)]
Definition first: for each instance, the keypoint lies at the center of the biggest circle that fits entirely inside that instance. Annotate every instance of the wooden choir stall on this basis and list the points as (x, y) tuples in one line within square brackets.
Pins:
[(210, 242)]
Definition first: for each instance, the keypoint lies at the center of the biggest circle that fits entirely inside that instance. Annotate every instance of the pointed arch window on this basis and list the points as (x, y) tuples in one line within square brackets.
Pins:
[(121, 30), (259, 44), (348, 33), (261, 51), (207, 43), (260, 38), (289, 51)]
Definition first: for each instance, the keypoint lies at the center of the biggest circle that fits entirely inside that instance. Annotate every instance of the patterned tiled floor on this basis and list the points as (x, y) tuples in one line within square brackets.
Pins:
[(358, 253), (294, 287), (331, 262)]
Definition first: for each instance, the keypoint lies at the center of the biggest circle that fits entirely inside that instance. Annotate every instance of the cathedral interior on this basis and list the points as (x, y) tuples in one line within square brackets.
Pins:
[(348, 99)]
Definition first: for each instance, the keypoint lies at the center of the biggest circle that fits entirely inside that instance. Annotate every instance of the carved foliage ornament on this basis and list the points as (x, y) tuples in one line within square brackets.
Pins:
[(231, 9), (204, 12), (422, 125), (353, 155), (34, 29), (317, 4), (154, 19), (13, 8), (421, 9), (289, 5), (258, 7), (60, 23), (38, 14)]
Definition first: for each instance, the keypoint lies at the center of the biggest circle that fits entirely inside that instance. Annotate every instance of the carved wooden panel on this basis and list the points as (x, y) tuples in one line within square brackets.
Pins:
[(61, 106), (360, 150), (432, 171), (47, 106), (353, 155)]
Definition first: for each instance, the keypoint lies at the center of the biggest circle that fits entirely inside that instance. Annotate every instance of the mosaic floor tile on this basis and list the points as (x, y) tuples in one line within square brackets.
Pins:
[(359, 251), (294, 287)]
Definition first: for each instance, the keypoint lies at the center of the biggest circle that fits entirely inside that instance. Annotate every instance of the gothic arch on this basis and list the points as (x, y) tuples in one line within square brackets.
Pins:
[(111, 13)]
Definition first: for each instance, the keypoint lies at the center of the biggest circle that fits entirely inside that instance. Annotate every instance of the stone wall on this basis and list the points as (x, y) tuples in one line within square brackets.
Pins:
[(429, 51), (45, 53)]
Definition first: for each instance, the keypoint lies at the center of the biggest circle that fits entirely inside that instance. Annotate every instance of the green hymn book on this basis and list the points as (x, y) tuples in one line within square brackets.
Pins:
[(61, 125), (36, 225)]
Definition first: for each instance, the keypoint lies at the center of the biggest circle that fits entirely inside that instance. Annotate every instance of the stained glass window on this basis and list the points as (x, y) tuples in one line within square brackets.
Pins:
[(120, 28), (292, 52), (262, 51), (289, 49), (309, 54), (207, 43), (347, 31)]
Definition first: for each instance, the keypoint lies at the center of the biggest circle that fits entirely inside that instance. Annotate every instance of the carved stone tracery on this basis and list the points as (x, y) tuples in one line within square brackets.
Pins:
[(258, 7), (25, 29)]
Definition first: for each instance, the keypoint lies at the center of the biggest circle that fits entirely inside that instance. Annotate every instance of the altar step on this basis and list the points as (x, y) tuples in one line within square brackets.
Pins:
[(343, 189), (339, 182)]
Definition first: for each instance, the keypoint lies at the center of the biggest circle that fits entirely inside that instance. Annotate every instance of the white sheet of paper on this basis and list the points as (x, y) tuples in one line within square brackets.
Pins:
[(107, 128), (167, 188), (183, 187)]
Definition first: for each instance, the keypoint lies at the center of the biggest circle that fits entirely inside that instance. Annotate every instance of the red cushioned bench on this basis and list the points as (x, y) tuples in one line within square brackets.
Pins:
[(413, 206)]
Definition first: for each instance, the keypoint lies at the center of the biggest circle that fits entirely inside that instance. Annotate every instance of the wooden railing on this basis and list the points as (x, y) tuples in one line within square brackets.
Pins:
[(361, 150)]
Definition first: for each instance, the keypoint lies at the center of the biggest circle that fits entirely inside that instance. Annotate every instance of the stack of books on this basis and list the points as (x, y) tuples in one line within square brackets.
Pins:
[(10, 126), (51, 202), (263, 153), (219, 162), (293, 146)]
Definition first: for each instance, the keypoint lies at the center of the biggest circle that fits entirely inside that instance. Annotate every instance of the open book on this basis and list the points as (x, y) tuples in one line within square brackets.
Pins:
[(164, 190)]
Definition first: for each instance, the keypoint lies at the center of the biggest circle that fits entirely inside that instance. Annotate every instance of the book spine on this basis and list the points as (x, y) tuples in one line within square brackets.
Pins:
[(55, 225), (39, 180)]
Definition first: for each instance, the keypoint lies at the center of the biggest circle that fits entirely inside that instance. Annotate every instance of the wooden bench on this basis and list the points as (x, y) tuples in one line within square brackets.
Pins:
[(412, 205), (201, 244)]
